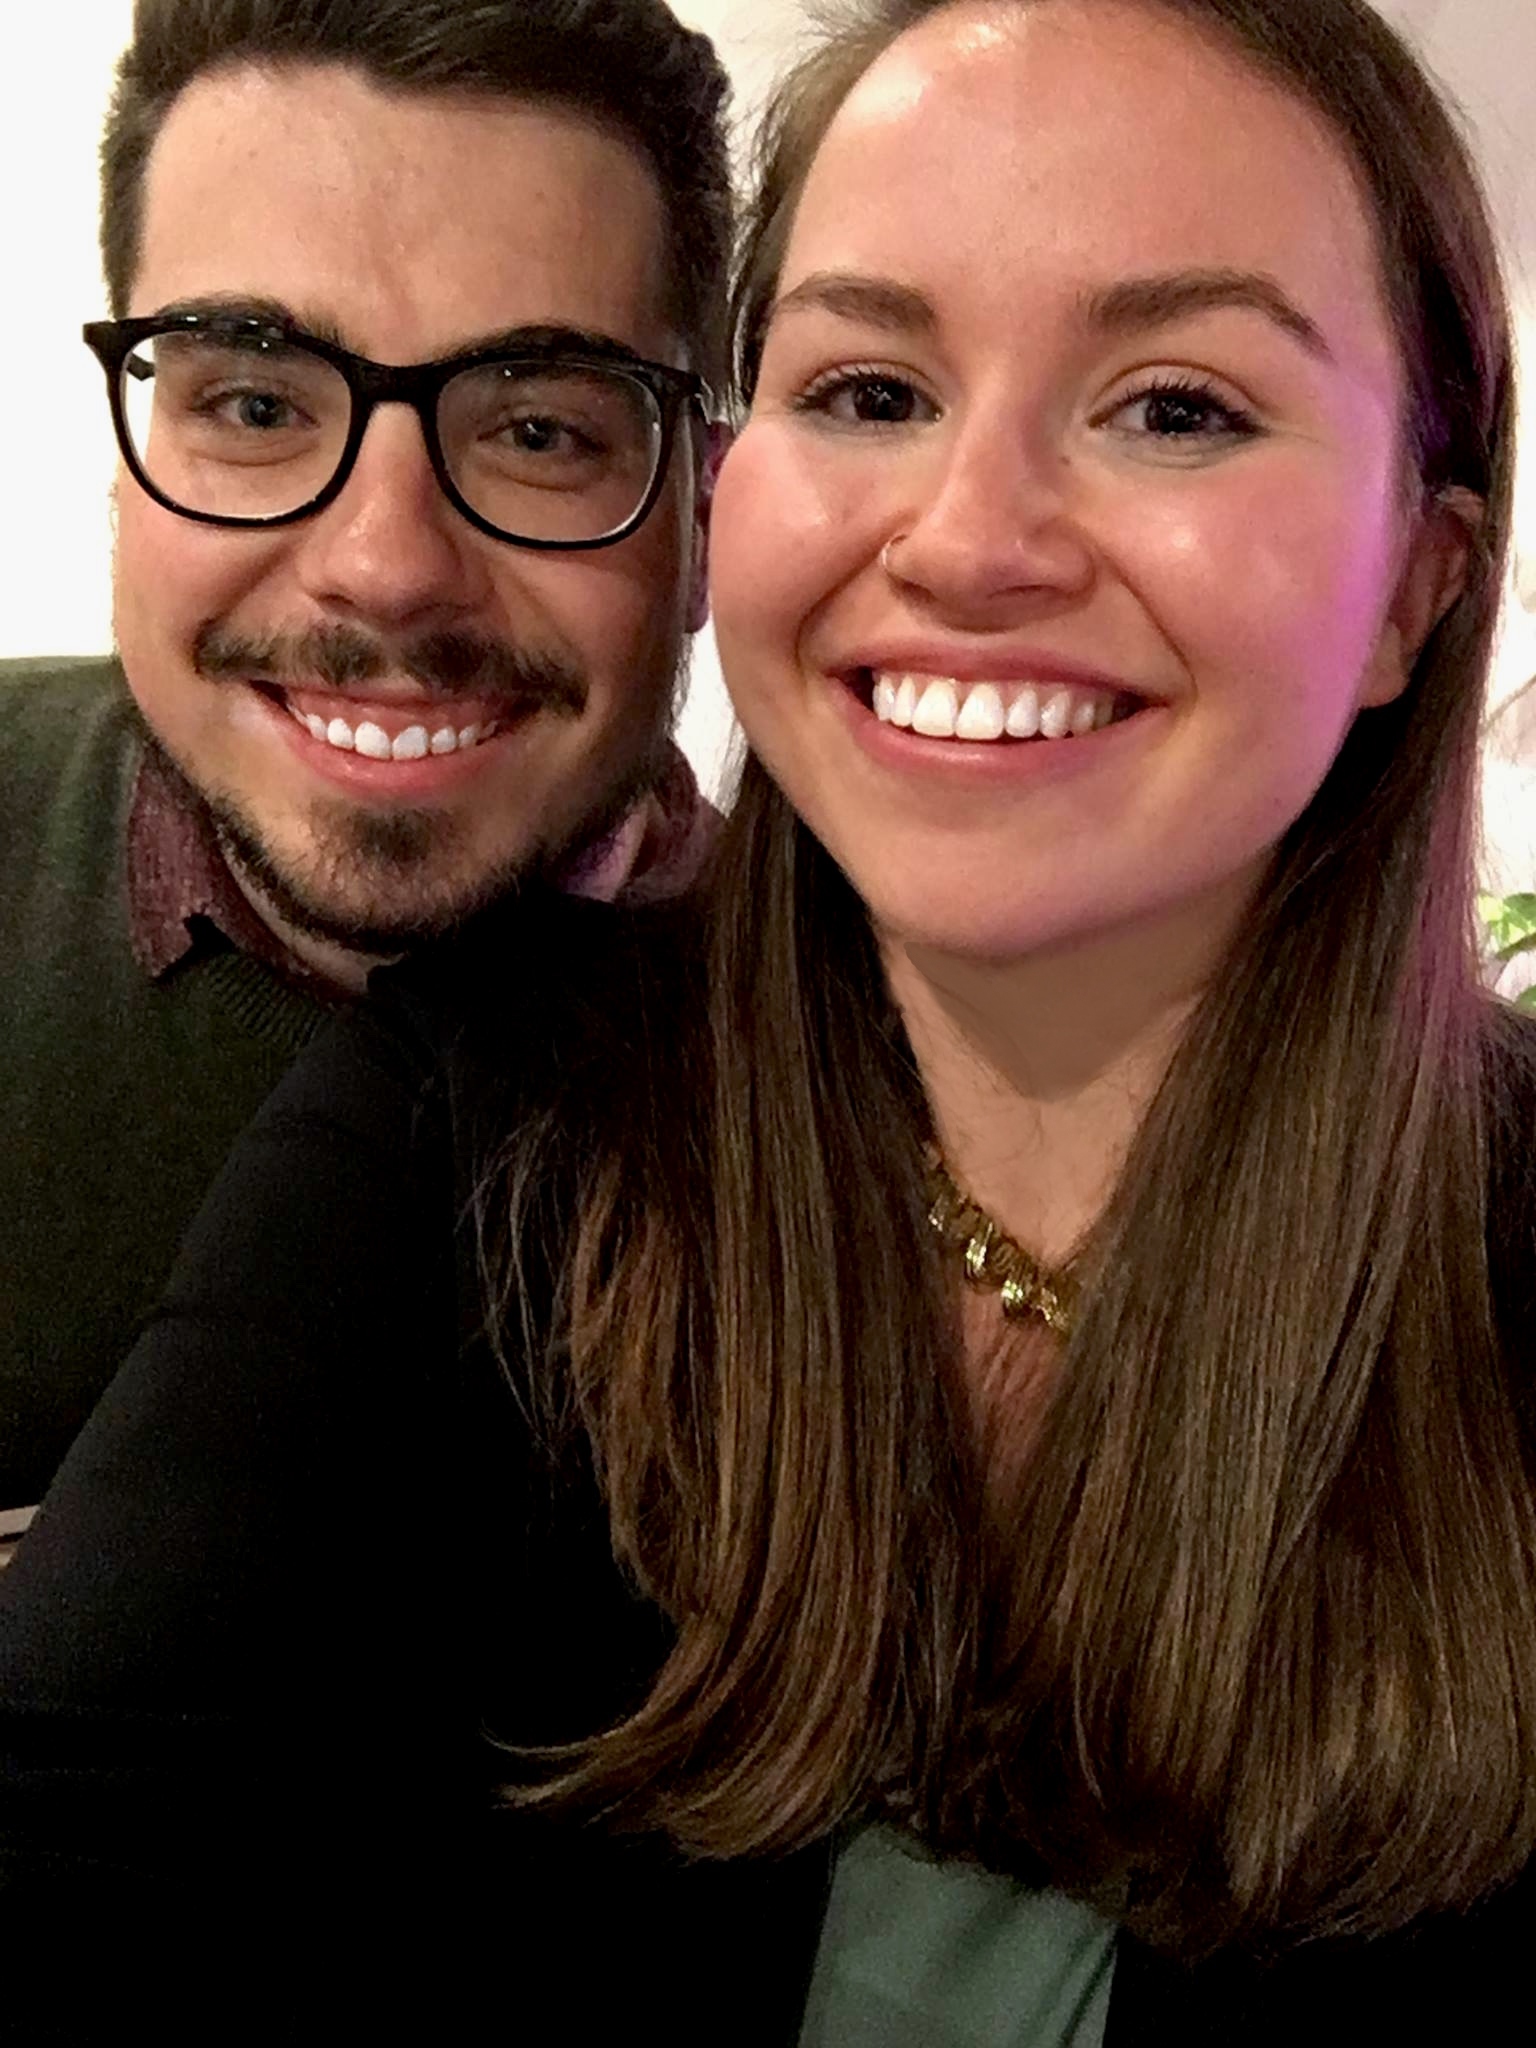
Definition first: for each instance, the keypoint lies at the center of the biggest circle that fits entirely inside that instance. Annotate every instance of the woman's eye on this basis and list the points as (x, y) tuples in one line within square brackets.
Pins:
[(1185, 413), (867, 398)]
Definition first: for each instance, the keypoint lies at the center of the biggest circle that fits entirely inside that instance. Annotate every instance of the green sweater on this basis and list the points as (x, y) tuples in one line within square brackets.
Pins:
[(121, 1095)]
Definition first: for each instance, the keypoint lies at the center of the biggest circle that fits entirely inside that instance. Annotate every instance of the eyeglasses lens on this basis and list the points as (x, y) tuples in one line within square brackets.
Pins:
[(242, 426), (553, 452)]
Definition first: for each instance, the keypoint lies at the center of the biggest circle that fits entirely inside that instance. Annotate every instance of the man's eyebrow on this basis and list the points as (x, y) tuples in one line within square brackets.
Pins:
[(536, 338), (244, 306), (550, 338), (1142, 302), (872, 301)]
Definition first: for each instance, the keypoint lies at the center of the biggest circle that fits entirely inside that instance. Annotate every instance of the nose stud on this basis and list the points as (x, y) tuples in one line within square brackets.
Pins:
[(885, 557)]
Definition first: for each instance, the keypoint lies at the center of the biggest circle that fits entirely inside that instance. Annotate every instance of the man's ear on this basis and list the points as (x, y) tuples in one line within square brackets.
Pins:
[(714, 441), (1442, 535)]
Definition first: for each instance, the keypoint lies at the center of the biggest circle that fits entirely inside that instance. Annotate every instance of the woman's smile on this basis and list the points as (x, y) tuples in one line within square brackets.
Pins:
[(949, 708)]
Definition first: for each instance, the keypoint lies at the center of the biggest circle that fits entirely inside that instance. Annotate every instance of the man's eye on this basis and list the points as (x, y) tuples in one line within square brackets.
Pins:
[(543, 434), (1179, 411), (263, 409), (873, 398), (256, 411)]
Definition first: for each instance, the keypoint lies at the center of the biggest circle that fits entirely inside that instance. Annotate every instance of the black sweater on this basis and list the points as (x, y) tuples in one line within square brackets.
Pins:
[(303, 1573)]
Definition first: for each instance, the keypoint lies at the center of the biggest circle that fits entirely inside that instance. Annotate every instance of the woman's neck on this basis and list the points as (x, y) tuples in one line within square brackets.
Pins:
[(1040, 1069)]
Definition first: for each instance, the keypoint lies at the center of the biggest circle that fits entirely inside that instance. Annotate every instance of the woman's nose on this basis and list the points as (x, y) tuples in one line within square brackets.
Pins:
[(1001, 522)]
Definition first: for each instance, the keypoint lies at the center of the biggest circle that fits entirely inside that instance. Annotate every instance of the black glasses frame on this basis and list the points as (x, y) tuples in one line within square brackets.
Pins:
[(418, 385)]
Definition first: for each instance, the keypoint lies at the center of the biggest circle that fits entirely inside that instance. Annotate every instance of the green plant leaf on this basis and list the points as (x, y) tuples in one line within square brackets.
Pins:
[(1511, 922), (1526, 1000)]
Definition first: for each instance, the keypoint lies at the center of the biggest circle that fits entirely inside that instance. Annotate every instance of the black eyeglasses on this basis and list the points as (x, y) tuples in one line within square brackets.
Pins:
[(239, 421)]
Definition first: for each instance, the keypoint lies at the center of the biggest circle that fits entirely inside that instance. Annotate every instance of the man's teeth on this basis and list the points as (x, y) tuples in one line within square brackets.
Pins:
[(371, 740), (941, 708)]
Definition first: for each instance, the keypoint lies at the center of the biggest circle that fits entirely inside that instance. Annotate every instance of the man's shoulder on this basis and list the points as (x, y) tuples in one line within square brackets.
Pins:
[(50, 703), (28, 678), (65, 722), (69, 749), (563, 980)]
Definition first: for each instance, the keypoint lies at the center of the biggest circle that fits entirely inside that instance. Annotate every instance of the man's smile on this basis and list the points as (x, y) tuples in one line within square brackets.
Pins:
[(385, 732)]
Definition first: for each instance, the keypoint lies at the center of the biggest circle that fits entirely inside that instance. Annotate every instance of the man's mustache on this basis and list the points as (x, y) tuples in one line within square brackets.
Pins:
[(339, 657)]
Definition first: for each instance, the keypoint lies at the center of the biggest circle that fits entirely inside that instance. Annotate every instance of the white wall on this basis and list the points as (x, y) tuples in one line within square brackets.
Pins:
[(54, 538), (54, 531)]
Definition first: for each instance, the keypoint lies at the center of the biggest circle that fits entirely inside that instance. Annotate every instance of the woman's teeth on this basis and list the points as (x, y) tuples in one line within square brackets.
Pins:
[(942, 709), (371, 740)]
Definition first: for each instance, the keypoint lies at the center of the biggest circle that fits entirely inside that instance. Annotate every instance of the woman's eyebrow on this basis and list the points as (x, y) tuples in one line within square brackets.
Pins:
[(872, 301), (1141, 302), (1130, 305)]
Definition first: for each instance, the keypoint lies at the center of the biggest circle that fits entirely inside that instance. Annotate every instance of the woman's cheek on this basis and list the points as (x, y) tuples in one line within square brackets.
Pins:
[(1279, 570), (784, 531), (1319, 594)]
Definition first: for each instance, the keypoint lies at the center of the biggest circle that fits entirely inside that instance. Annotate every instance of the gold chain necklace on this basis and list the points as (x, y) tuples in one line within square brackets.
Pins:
[(992, 1259)]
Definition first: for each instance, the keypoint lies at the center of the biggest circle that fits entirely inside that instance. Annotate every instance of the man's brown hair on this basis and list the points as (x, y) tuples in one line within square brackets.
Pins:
[(627, 63)]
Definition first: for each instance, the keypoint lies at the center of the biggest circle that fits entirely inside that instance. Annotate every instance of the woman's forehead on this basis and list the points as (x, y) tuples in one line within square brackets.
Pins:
[(1087, 140)]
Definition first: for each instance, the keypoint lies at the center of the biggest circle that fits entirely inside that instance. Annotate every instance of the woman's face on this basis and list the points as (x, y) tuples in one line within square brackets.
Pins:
[(1069, 530)]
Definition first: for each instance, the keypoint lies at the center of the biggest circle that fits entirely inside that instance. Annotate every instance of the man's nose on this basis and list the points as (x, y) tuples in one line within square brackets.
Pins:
[(391, 548), (996, 519)]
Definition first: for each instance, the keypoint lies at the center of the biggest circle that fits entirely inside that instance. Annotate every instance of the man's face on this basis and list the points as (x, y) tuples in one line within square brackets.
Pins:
[(406, 226)]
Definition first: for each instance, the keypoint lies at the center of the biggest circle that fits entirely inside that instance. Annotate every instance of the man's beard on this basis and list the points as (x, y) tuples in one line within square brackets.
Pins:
[(379, 882), (361, 856)]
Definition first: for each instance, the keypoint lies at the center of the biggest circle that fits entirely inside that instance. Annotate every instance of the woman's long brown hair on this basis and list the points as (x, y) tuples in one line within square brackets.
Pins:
[(1256, 1659)]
